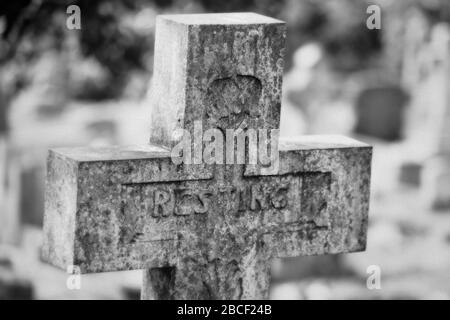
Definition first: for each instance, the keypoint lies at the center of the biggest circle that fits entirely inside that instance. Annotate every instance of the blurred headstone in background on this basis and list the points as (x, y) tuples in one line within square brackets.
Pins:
[(426, 74), (9, 177), (103, 131), (3, 113), (32, 194), (422, 76), (12, 285), (290, 269), (298, 85), (329, 48), (3, 148), (436, 174), (45, 98), (408, 47), (3, 157), (9, 197), (410, 173), (380, 112)]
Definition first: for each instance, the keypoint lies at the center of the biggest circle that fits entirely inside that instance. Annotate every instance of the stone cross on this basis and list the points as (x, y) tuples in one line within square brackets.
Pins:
[(207, 231)]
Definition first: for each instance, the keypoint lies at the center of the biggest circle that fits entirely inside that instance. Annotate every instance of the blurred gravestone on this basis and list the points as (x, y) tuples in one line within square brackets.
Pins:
[(3, 114), (50, 83), (3, 148), (32, 194), (44, 99), (426, 75), (12, 285), (410, 173), (9, 182), (436, 173), (417, 76), (380, 112), (292, 269), (9, 200)]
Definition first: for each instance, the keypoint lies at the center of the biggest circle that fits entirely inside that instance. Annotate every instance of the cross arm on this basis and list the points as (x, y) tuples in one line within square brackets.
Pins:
[(335, 195), (92, 219), (132, 208)]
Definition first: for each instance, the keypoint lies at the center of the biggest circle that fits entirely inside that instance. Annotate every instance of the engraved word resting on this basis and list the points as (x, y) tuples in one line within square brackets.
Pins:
[(159, 201)]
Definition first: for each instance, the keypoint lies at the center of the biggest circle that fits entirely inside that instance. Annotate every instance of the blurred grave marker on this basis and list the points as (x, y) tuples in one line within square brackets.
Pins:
[(427, 74), (436, 172), (32, 196), (9, 184), (380, 112), (13, 285), (207, 231), (9, 201)]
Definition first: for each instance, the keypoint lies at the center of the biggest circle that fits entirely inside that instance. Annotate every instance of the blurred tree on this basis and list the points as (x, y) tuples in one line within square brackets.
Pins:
[(119, 48), (437, 10), (345, 37)]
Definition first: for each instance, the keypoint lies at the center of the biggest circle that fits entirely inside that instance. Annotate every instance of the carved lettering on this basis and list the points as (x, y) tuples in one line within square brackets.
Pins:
[(259, 194), (232, 100), (191, 201), (279, 197), (204, 198), (258, 201), (164, 203)]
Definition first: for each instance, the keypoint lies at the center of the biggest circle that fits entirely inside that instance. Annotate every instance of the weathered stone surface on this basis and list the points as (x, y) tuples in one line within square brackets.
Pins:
[(207, 231), (224, 69), (105, 212)]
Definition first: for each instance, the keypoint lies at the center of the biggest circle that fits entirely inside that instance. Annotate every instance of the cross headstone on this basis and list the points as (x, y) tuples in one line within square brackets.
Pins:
[(207, 231)]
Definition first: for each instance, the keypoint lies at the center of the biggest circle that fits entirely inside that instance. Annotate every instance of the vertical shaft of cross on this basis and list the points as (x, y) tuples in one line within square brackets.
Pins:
[(218, 262), (223, 279), (228, 68), (158, 284)]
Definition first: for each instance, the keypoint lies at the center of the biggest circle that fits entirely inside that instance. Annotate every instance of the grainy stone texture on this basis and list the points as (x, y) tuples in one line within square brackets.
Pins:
[(217, 226), (223, 69), (208, 231)]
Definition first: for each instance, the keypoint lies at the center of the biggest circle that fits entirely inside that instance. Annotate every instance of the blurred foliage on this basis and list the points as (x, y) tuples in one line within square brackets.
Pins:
[(114, 48), (32, 28), (346, 39), (437, 10)]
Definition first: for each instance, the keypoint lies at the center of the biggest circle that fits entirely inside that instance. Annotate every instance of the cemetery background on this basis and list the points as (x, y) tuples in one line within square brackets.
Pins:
[(388, 87)]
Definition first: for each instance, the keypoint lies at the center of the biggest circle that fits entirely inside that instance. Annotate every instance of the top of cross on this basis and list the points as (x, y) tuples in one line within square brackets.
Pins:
[(241, 18), (224, 70)]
